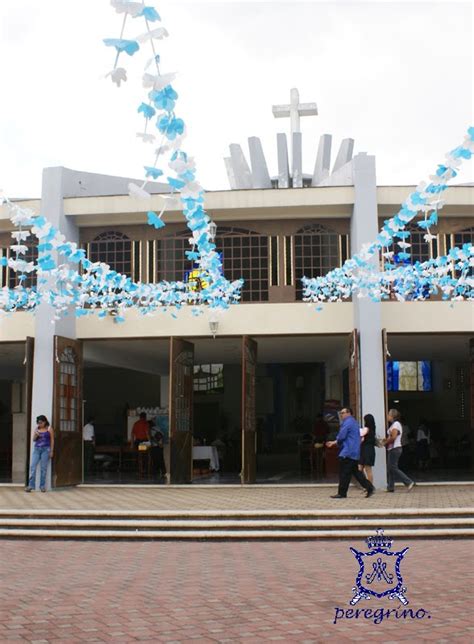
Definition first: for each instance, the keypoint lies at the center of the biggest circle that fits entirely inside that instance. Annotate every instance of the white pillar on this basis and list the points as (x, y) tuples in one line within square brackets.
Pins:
[(53, 189), (367, 314)]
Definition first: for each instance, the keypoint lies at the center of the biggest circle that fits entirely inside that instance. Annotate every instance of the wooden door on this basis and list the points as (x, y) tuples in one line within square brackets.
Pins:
[(471, 383), (181, 411), (248, 473), (385, 357), (354, 375), (29, 366), (67, 412)]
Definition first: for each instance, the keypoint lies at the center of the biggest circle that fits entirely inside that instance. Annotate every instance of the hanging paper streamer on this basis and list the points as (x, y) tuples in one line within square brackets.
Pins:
[(451, 275), (68, 280)]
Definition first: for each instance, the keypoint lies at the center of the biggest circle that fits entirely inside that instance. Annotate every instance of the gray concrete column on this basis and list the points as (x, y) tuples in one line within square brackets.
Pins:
[(164, 391), (367, 314), (55, 185)]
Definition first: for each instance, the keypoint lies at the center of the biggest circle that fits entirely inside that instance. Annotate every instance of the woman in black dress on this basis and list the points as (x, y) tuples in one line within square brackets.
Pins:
[(367, 449)]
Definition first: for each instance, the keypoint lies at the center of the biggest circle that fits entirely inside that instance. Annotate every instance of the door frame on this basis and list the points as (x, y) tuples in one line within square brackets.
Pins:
[(248, 472), (67, 461), (181, 415)]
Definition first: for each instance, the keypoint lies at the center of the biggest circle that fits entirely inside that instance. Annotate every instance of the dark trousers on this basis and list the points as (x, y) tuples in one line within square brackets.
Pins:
[(89, 451), (157, 460), (348, 469)]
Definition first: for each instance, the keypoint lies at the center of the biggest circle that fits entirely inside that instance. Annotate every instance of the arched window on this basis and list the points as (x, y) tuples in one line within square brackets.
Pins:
[(245, 254), (115, 249), (317, 251)]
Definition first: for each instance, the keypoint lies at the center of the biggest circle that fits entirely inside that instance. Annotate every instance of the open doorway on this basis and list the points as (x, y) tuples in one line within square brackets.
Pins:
[(299, 386), (14, 444), (287, 387), (122, 379), (430, 383)]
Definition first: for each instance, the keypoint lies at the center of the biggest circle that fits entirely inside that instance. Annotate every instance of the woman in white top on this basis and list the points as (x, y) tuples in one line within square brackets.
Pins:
[(393, 443)]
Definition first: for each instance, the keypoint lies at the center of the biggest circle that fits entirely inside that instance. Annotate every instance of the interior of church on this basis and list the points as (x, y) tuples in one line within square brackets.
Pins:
[(297, 379)]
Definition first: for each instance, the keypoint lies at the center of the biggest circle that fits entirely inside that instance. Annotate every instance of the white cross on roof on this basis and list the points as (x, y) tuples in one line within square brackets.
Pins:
[(294, 110)]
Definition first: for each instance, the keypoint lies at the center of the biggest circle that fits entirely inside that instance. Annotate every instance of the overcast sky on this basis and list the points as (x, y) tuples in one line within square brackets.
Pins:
[(396, 77)]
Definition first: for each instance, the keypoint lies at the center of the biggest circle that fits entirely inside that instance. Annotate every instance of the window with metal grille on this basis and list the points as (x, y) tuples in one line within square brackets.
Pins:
[(115, 249), (209, 378), (457, 240), (12, 278), (463, 237), (68, 412), (317, 250), (171, 262), (420, 250), (245, 254)]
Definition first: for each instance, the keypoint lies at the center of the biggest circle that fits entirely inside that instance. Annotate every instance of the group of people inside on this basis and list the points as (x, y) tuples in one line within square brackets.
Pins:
[(154, 433), (357, 452), (356, 448)]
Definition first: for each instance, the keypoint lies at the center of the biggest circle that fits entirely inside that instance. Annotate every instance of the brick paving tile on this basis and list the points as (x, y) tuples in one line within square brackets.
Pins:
[(256, 592), (309, 497)]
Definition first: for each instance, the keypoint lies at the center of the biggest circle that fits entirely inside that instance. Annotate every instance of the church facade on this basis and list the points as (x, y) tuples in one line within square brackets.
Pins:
[(252, 380)]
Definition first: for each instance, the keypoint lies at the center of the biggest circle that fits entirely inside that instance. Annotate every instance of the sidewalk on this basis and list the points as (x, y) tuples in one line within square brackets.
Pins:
[(233, 498), (206, 593)]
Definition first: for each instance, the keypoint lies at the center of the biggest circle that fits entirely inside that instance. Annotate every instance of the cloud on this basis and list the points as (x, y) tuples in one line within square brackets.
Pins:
[(395, 76)]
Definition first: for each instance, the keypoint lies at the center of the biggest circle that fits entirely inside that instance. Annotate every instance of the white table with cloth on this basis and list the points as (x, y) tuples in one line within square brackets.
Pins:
[(207, 452)]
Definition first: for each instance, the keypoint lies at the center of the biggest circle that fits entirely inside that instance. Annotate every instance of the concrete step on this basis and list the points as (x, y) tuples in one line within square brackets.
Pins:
[(339, 523), (409, 533), (316, 514), (237, 524), (241, 525)]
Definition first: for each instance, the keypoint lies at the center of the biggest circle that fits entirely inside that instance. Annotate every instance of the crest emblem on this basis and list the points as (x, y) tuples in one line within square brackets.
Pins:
[(379, 571)]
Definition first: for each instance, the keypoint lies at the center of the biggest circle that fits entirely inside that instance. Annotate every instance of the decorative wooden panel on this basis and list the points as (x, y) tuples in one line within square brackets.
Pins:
[(249, 372), (181, 410), (67, 412)]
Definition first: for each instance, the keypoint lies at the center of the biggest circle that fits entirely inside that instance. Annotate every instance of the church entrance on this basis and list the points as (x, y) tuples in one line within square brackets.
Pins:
[(430, 381), (16, 365), (245, 408)]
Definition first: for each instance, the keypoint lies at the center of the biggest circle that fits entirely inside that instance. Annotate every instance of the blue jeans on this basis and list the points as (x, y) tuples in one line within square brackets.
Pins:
[(41, 456)]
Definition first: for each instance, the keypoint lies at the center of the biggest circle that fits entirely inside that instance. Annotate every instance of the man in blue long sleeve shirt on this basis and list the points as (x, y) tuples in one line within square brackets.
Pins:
[(348, 441)]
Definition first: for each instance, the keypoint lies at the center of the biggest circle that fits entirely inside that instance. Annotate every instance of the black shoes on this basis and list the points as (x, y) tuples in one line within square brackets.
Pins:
[(369, 492), (338, 496)]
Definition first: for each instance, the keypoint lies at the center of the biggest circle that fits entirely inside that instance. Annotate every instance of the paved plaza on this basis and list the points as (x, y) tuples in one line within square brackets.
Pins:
[(223, 592), (228, 498)]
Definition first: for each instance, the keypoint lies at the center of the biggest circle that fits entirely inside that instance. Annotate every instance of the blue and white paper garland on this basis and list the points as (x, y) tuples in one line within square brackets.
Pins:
[(93, 287)]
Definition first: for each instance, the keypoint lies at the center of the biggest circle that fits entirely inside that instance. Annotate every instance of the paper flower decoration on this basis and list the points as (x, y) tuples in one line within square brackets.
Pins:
[(128, 46), (170, 126), (150, 14), (137, 193), (147, 110), (154, 220), (146, 137), (158, 81), (124, 6), (118, 75), (164, 99), (154, 173), (156, 34)]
